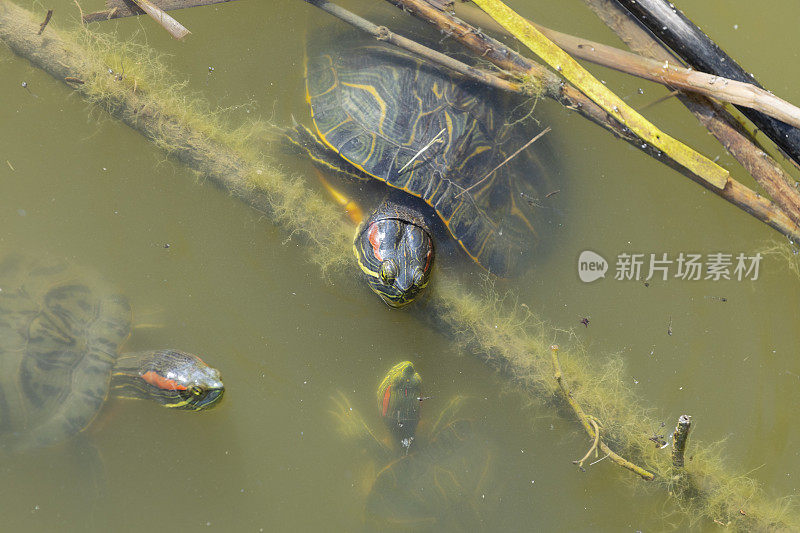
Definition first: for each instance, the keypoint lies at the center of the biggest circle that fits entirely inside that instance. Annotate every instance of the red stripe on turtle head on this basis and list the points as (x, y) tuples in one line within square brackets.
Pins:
[(157, 380), (376, 239), (428, 259), (387, 394)]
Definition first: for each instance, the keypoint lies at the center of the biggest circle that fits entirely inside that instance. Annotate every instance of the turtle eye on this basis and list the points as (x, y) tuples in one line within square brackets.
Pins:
[(192, 394), (388, 272), (419, 277)]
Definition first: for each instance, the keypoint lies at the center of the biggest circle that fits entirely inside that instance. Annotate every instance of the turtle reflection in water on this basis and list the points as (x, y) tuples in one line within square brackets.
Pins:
[(60, 334), (439, 480), (439, 142)]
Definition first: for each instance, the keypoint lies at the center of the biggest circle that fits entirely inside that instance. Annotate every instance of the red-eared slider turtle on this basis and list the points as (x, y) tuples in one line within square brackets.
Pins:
[(60, 334), (437, 140), (440, 480)]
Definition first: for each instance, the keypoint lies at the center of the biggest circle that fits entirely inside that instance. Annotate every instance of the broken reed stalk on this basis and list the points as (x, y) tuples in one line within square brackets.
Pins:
[(554, 56), (173, 27), (553, 87), (498, 332), (588, 422), (663, 72), (382, 33), (689, 42), (763, 168), (674, 75), (679, 438), (125, 8)]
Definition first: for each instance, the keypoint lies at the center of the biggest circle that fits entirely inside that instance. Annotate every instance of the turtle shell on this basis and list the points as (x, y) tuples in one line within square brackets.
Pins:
[(441, 485), (59, 339), (431, 134)]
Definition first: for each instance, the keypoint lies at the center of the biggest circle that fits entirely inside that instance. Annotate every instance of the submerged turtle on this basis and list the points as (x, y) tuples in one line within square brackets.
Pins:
[(60, 335), (437, 141), (438, 481)]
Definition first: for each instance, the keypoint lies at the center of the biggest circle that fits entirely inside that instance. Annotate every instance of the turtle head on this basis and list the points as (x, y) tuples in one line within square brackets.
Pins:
[(172, 378), (399, 396), (396, 255)]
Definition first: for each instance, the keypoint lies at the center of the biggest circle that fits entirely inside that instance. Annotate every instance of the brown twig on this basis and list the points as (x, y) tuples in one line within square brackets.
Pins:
[(173, 27), (46, 21), (483, 45), (124, 8), (382, 33), (586, 421)]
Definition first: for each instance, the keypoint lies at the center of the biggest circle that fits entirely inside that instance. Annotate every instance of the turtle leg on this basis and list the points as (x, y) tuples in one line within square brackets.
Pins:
[(446, 415), (92, 481), (352, 424), (353, 210), (311, 145), (327, 161)]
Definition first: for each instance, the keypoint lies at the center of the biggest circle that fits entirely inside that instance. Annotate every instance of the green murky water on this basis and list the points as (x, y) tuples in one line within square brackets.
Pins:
[(235, 289)]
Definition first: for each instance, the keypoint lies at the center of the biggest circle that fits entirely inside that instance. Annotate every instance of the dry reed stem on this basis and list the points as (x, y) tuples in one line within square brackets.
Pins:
[(763, 168), (570, 97), (173, 27), (672, 74), (666, 73), (123, 8), (554, 56)]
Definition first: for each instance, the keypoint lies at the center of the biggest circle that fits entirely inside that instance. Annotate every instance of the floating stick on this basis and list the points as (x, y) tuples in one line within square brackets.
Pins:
[(175, 28), (124, 8)]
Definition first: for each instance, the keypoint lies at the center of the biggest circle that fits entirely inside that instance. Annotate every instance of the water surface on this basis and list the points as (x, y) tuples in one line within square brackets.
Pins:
[(240, 292)]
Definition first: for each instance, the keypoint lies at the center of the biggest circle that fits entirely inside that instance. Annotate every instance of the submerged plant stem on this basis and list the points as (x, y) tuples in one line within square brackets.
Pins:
[(595, 442), (679, 439), (589, 423)]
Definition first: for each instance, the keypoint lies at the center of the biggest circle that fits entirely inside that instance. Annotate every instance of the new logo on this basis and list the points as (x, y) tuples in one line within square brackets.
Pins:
[(591, 266)]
